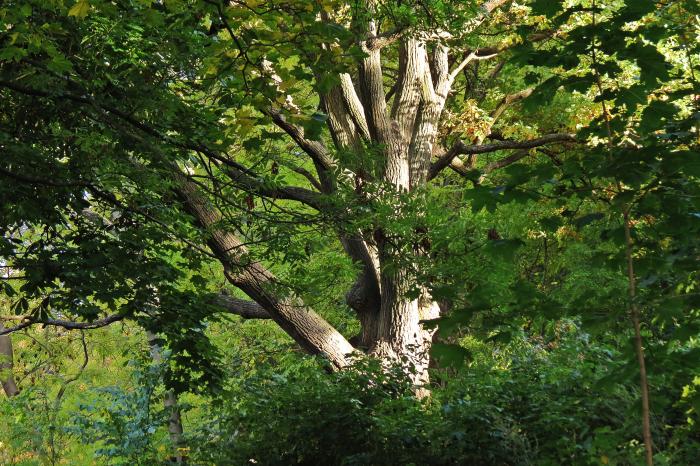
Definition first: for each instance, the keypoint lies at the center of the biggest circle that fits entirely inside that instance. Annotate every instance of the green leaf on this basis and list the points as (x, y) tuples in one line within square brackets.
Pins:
[(450, 355), (546, 7), (656, 115), (80, 9)]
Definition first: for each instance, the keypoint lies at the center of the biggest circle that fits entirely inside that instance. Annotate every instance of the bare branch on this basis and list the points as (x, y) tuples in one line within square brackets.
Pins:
[(28, 321), (315, 149), (460, 148), (241, 307), (504, 162), (508, 100), (476, 55)]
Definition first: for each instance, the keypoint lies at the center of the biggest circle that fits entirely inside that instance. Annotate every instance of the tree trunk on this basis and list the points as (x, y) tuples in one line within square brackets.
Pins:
[(6, 365), (402, 338), (171, 405), (404, 130)]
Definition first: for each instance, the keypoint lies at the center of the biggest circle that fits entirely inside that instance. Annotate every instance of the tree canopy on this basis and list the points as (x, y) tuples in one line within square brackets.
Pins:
[(483, 218)]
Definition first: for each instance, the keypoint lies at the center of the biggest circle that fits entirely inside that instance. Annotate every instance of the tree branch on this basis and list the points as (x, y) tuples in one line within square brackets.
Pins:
[(28, 321), (246, 178), (315, 149), (382, 40), (508, 100), (460, 148), (241, 307), (304, 325), (353, 104)]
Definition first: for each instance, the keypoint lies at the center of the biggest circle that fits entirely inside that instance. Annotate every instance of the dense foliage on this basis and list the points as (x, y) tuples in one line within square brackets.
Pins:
[(482, 219)]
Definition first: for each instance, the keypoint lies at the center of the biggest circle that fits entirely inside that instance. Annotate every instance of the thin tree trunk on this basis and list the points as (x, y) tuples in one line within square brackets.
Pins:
[(638, 344), (170, 403), (6, 365)]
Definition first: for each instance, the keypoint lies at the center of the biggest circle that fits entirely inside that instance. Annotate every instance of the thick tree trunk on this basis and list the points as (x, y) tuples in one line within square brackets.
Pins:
[(6, 365), (402, 338)]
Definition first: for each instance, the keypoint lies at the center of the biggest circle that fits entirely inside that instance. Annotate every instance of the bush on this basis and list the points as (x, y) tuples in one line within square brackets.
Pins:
[(546, 406), (365, 416)]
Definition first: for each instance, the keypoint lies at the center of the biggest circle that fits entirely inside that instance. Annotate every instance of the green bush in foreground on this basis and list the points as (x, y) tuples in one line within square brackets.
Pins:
[(548, 407)]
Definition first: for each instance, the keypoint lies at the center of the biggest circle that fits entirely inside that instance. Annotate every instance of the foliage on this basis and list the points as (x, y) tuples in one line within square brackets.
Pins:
[(125, 425), (564, 271), (544, 403)]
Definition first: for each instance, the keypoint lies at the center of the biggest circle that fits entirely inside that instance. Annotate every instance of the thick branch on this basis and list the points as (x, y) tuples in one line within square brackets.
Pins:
[(305, 326), (241, 307), (294, 193), (383, 40), (315, 149), (353, 104), (372, 91)]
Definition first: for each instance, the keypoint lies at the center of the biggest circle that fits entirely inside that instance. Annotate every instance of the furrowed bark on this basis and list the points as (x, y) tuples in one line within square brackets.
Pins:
[(353, 104), (348, 125), (365, 295), (306, 327), (411, 66), (402, 338), (241, 307), (383, 132), (342, 125)]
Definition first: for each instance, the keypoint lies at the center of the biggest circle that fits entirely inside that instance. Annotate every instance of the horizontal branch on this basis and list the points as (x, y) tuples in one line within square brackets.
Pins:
[(27, 321), (460, 148), (231, 305), (241, 307), (492, 51), (504, 162), (383, 40)]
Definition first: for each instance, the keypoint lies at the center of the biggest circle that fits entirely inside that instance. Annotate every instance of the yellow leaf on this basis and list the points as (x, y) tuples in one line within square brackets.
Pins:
[(80, 9), (604, 459)]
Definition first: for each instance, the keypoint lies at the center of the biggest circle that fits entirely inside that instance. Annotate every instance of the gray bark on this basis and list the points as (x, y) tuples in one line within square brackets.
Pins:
[(6, 365), (170, 403), (305, 326)]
